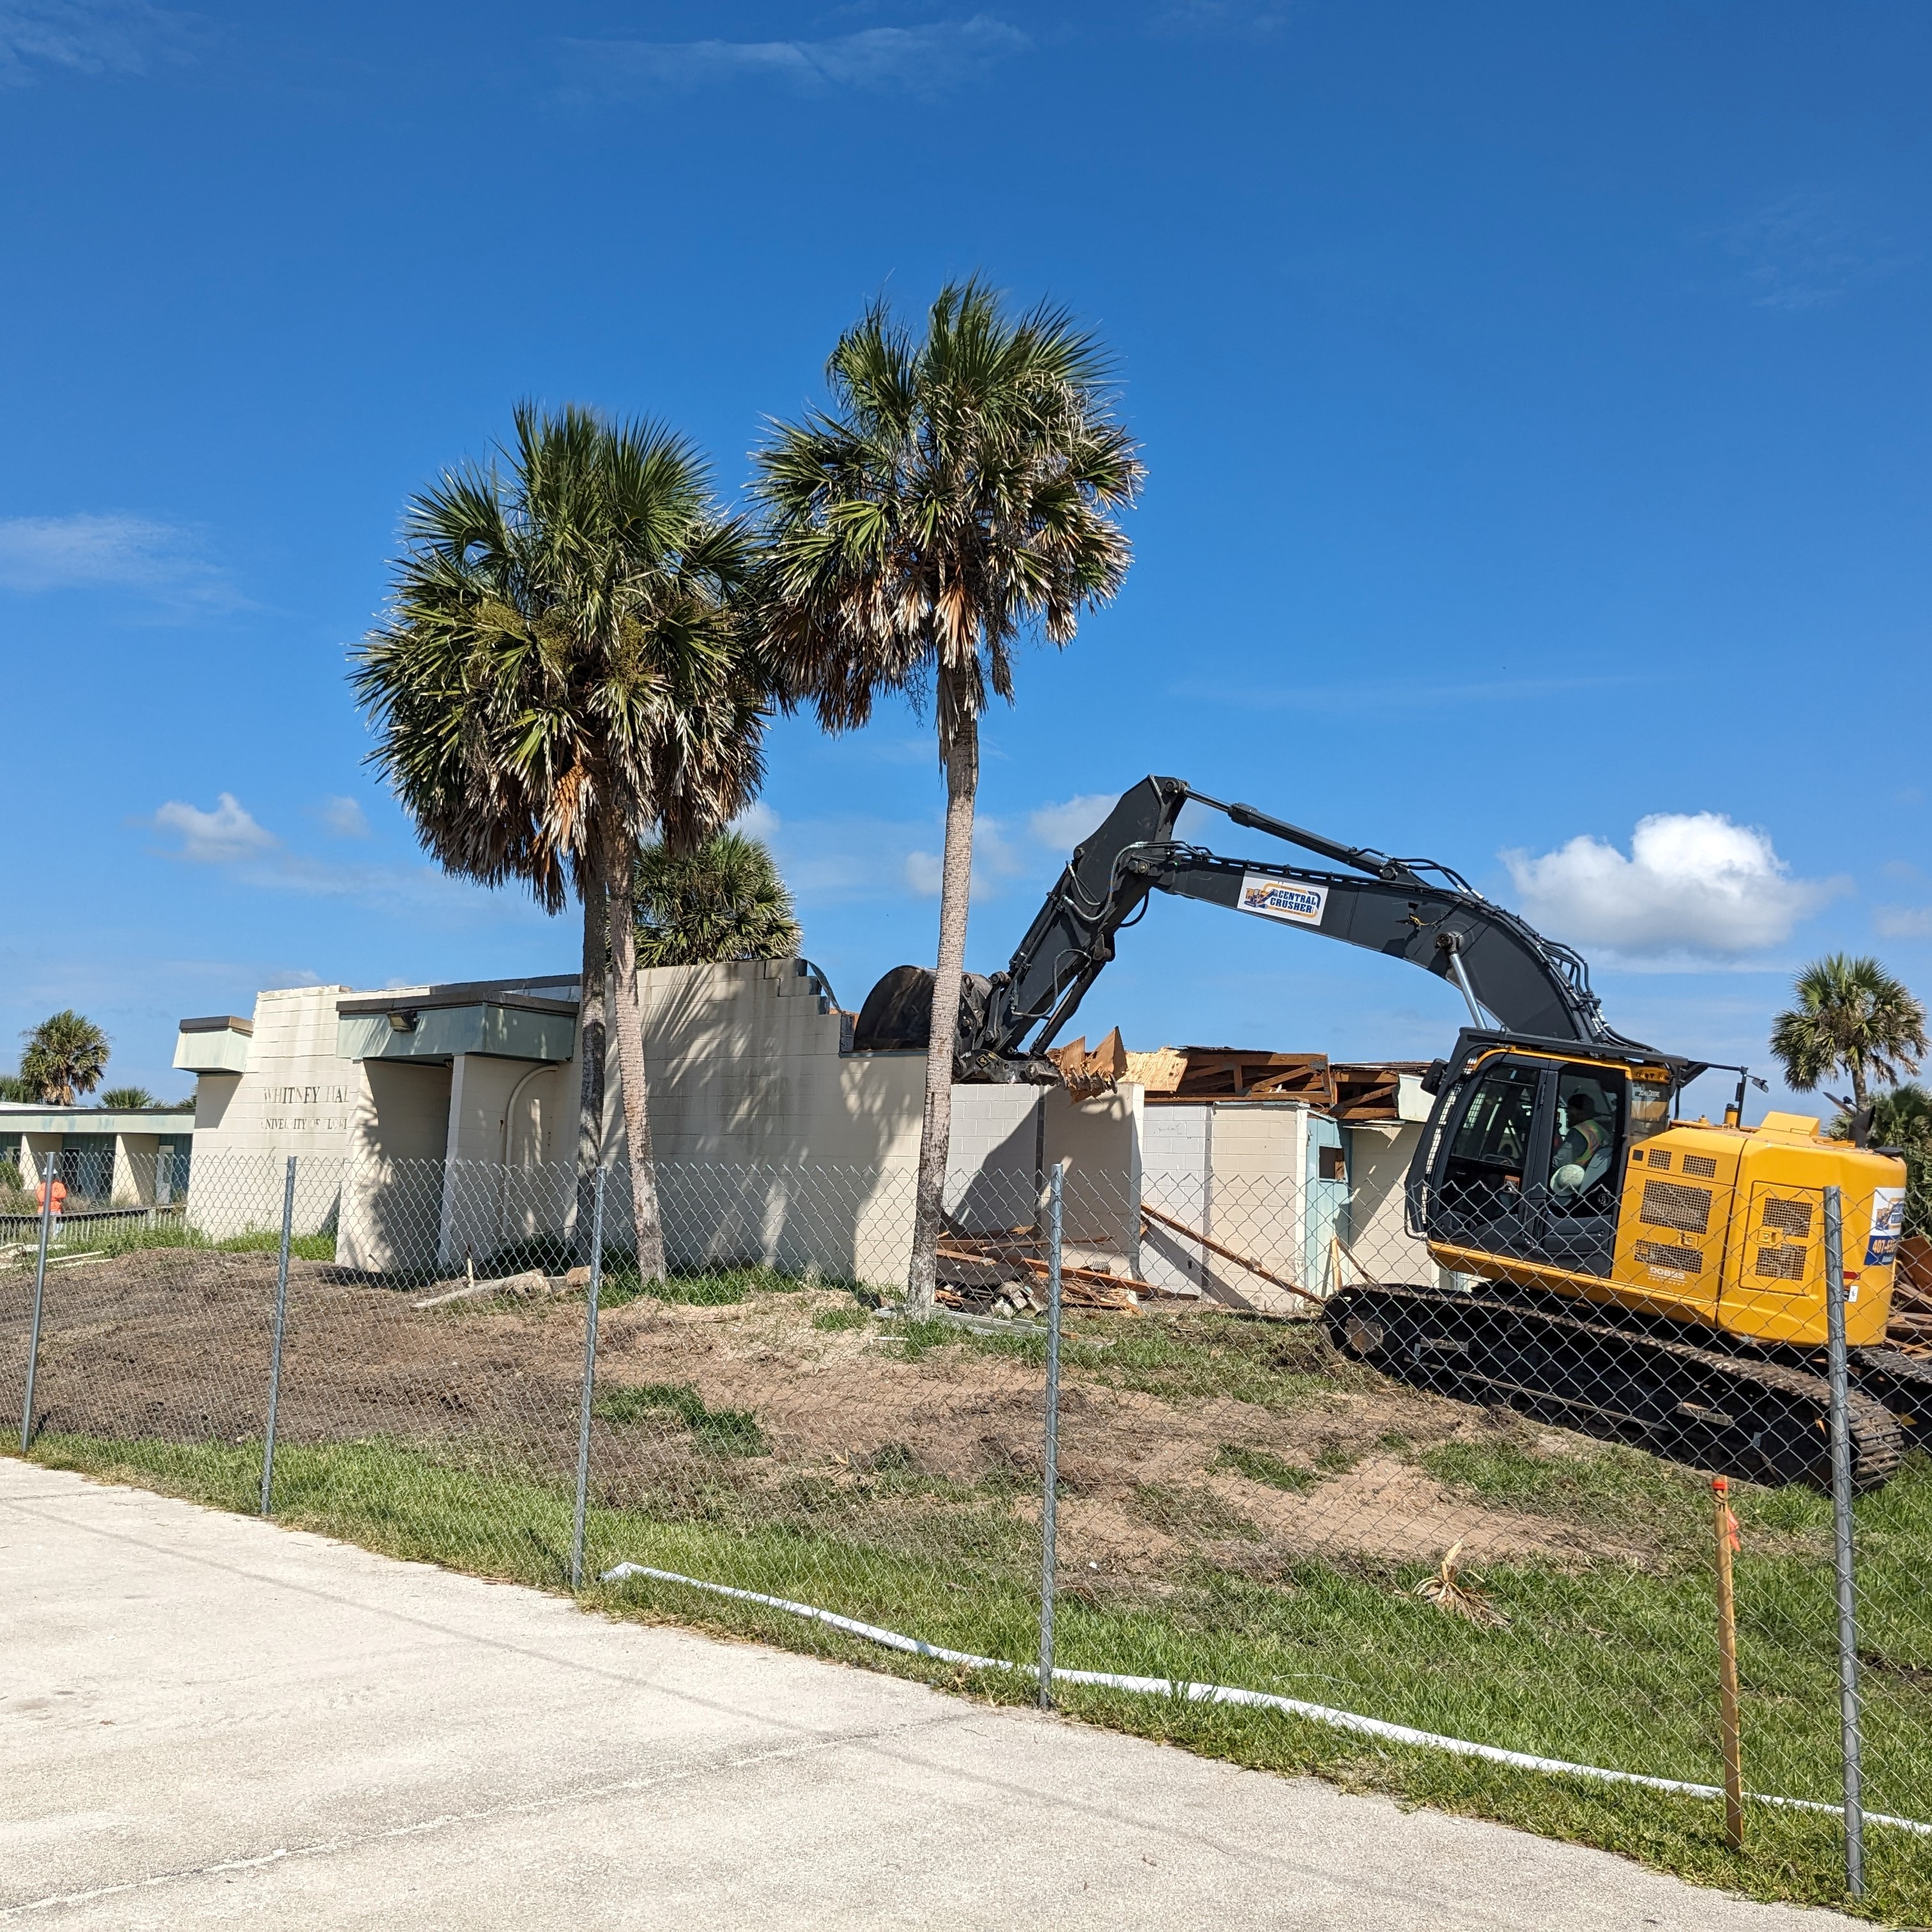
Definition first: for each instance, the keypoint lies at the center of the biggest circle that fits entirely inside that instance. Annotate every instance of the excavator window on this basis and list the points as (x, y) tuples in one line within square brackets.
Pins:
[(1494, 1136), (1589, 1128)]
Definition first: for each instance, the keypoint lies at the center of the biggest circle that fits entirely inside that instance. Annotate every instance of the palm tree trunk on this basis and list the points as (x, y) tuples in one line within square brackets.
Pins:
[(959, 752), (627, 1019), (590, 1046)]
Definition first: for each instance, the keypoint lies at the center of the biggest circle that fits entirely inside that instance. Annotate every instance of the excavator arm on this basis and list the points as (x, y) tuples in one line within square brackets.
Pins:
[(1411, 909)]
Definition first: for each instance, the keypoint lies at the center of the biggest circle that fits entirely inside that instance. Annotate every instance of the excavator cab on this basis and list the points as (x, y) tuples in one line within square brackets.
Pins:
[(1526, 1153)]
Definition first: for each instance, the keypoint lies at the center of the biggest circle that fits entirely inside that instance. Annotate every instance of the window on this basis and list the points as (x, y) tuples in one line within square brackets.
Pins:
[(1589, 1127), (1494, 1131), (1649, 1108)]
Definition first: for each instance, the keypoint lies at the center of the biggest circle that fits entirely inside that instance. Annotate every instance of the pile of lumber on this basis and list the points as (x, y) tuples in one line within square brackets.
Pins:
[(1911, 1324), (1006, 1273), (1195, 1073)]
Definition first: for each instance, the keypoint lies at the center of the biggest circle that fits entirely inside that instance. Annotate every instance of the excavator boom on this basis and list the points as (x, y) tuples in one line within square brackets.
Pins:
[(1411, 909)]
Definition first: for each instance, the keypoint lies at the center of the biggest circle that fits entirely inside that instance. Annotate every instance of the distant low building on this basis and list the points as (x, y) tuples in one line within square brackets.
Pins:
[(123, 1157)]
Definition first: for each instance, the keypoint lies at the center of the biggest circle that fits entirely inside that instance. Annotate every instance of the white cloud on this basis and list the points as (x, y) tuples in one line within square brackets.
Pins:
[(1898, 922), (757, 820), (231, 836), (1695, 886), (879, 59), (344, 816), (216, 838), (1062, 826), (92, 551), (995, 860), (1802, 252), (87, 37)]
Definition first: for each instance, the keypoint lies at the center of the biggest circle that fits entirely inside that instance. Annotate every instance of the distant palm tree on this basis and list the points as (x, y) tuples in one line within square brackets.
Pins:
[(961, 489), (63, 1057), (562, 670), (1851, 1015), (128, 1099), (723, 901), (12, 1087)]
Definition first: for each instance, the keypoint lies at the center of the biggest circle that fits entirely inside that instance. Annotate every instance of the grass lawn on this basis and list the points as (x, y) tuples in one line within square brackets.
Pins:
[(1602, 1662)]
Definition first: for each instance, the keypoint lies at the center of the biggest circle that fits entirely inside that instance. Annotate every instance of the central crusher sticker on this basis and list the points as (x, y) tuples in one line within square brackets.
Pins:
[(1281, 898)]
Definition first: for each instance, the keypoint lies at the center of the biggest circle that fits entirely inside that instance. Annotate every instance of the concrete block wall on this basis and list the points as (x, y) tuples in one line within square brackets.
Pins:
[(1236, 1170), (295, 1098), (1383, 1249)]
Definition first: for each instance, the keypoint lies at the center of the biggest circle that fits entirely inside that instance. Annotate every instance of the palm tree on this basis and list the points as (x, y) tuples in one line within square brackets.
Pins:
[(1902, 1119), (1851, 1014), (960, 491), (128, 1099), (63, 1057), (724, 900), (563, 669)]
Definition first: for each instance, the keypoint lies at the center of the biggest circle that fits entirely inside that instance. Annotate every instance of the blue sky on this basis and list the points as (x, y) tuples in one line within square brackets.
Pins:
[(1534, 399)]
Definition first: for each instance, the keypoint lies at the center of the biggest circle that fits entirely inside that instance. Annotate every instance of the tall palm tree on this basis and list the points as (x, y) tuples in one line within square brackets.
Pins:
[(62, 1057), (960, 490), (1850, 1015), (723, 901), (563, 670)]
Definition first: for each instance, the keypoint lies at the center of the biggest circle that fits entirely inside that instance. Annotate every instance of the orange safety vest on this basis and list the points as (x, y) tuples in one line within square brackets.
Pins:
[(60, 1194)]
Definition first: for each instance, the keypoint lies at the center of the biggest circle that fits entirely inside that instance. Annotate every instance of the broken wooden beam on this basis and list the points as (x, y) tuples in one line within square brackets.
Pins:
[(1227, 1254)]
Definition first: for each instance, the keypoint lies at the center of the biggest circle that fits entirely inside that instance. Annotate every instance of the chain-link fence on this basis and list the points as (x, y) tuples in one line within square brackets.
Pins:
[(1311, 1466)]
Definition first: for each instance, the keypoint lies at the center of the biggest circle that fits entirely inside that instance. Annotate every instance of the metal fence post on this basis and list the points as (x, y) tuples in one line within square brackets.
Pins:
[(40, 1289), (1841, 1525), (281, 1323), (1050, 1492), (590, 1382)]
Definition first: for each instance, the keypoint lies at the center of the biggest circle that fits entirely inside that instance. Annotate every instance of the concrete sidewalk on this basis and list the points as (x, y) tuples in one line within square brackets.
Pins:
[(208, 1720)]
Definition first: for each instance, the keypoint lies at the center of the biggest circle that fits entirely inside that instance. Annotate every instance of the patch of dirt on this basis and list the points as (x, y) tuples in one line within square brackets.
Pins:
[(1384, 1507), (175, 1345)]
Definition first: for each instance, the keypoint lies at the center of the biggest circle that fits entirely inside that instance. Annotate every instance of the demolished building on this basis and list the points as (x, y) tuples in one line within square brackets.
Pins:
[(451, 1113)]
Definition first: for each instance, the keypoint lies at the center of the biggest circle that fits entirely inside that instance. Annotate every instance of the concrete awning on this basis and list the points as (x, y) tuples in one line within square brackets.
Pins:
[(217, 1043), (437, 1023)]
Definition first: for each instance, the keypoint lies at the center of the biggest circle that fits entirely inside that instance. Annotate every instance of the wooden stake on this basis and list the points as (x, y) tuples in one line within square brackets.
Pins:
[(1728, 1726)]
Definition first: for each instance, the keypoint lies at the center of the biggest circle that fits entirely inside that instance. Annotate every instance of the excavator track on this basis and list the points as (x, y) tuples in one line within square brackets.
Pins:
[(1904, 1383), (1738, 1415)]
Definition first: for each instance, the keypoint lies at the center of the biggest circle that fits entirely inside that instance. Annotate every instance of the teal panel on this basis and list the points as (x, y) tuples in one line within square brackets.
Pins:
[(441, 1033)]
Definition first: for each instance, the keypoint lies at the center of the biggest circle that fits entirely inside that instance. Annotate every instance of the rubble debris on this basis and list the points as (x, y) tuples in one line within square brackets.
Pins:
[(1368, 1091), (1238, 1073), (1355, 1092), (1910, 1327)]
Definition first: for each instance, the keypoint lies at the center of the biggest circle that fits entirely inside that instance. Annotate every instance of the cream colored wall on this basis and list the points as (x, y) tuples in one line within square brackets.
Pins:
[(392, 1201), (135, 1157), (1383, 1249), (34, 1149), (483, 1208), (1234, 1171), (295, 1098)]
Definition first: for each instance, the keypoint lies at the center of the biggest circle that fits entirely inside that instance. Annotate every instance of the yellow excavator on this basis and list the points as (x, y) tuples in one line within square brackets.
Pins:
[(1603, 1262)]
